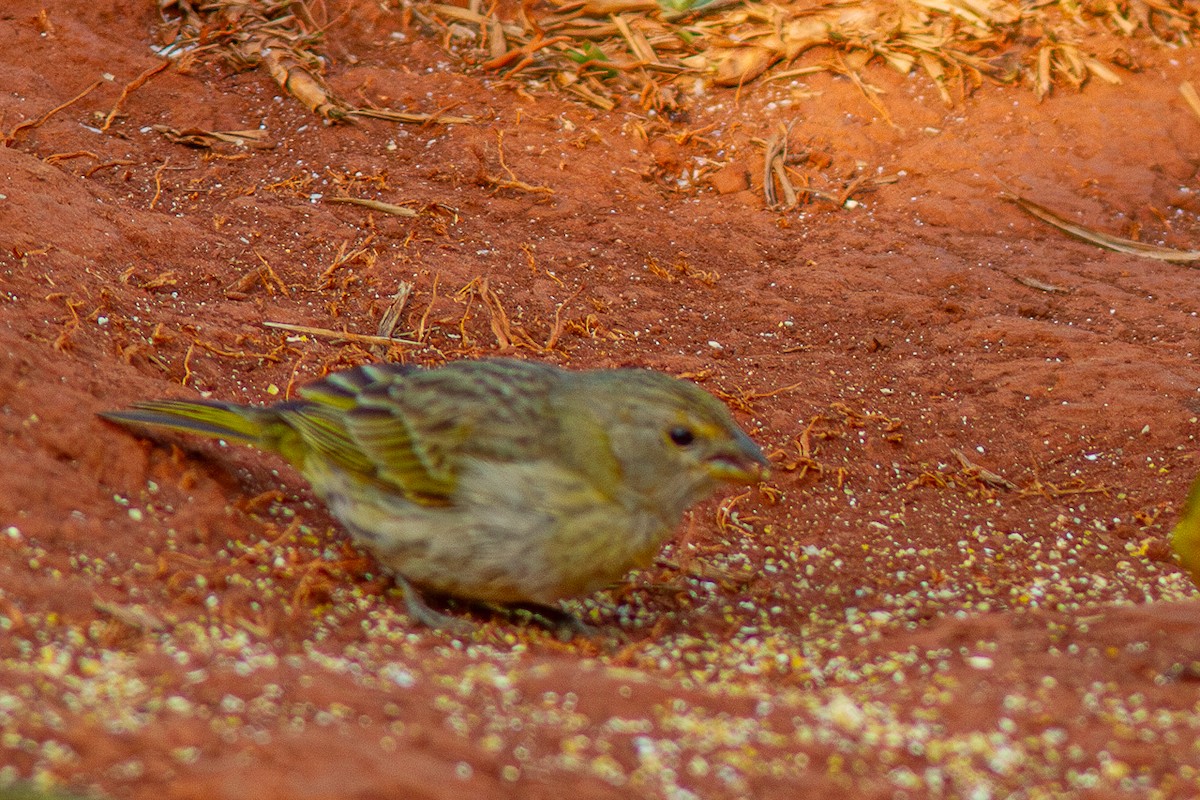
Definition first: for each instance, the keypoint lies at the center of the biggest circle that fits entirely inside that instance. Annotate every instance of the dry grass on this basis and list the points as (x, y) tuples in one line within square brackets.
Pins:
[(280, 36), (599, 49)]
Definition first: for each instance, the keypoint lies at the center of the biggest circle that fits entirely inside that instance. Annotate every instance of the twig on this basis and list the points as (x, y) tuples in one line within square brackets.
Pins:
[(421, 329), (135, 616), (557, 329), (985, 475), (1034, 283), (270, 273), (1120, 245), (187, 365), (868, 92), (12, 135), (120, 162), (1189, 94), (57, 157), (774, 168), (196, 137), (391, 317), (436, 118), (131, 87), (328, 333), (512, 182), (375, 205), (158, 182)]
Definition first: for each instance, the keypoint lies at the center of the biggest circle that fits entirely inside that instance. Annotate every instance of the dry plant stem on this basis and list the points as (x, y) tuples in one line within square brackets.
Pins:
[(785, 182), (734, 42), (375, 205), (511, 182), (867, 92), (1054, 491), (772, 150), (187, 365), (521, 57), (1034, 283), (501, 326), (1189, 94), (985, 475), (131, 87), (557, 329), (196, 137), (436, 118), (422, 328), (135, 616), (120, 162), (57, 157), (12, 135), (493, 29), (391, 317), (774, 169), (344, 259), (268, 272), (1120, 245), (280, 37), (272, 355), (288, 392), (158, 182), (638, 43), (750, 395), (63, 341), (589, 96), (328, 333), (303, 84)]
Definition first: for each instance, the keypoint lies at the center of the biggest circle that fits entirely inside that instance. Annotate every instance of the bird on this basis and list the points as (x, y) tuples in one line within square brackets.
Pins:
[(501, 482), (1185, 538)]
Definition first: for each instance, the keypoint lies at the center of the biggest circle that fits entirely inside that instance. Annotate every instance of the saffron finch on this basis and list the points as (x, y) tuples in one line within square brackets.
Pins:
[(498, 481)]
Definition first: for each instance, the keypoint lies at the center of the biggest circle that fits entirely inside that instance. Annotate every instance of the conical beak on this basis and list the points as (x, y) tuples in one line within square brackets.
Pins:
[(741, 462)]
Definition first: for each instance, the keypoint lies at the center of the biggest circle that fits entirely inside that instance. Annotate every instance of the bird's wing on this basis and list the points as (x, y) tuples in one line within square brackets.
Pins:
[(349, 418), (414, 430), (342, 390), (320, 430), (411, 451)]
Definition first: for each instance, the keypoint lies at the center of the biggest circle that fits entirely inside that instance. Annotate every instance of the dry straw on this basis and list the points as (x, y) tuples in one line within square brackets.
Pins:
[(599, 50), (280, 36), (602, 49)]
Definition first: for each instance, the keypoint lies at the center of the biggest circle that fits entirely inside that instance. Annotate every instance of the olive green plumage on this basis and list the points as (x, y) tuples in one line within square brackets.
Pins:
[(1185, 539), (494, 480)]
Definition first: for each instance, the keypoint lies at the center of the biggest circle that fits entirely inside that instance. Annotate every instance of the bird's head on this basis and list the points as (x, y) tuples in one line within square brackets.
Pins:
[(670, 442)]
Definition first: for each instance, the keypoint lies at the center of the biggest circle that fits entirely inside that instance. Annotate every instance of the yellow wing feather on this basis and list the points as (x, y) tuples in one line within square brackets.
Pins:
[(1185, 539)]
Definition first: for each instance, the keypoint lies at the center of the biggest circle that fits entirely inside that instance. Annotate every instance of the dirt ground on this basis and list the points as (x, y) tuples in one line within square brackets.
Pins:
[(955, 584)]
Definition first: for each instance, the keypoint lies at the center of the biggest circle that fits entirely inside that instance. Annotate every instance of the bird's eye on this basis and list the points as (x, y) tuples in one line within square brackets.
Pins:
[(681, 436)]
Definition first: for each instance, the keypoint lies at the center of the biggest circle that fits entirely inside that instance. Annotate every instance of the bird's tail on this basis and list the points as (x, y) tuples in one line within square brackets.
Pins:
[(244, 424), (1185, 539)]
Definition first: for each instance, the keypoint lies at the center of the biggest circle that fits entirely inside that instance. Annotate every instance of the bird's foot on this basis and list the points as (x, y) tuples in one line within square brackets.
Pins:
[(415, 604), (565, 625)]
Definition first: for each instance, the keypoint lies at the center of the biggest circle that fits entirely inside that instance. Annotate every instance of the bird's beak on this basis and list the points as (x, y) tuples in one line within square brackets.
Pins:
[(742, 462)]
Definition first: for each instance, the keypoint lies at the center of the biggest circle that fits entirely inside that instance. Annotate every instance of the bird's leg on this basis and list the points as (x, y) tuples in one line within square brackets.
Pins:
[(564, 624), (422, 613)]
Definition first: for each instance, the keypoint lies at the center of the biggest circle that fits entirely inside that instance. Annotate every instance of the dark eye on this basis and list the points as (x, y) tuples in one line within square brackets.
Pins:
[(681, 436)]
